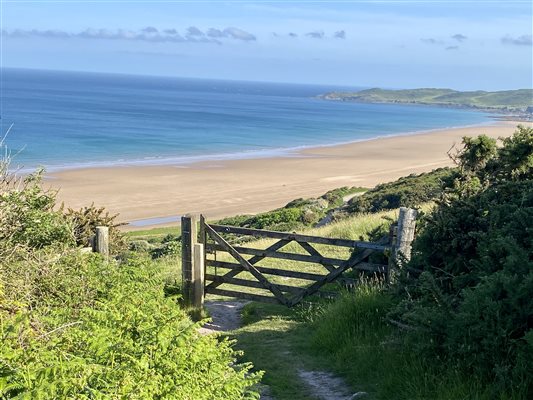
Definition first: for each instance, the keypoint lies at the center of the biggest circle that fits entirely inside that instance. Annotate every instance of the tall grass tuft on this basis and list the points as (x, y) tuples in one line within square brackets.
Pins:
[(354, 335)]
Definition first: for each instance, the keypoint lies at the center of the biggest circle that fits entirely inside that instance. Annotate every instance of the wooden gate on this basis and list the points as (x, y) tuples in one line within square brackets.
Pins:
[(222, 255)]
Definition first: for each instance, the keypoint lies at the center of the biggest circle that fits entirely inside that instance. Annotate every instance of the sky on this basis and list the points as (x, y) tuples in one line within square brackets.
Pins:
[(465, 45)]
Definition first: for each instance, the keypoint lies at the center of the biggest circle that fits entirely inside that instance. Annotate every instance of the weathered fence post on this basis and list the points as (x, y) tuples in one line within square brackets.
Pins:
[(198, 276), (203, 240), (101, 241), (401, 239), (188, 240)]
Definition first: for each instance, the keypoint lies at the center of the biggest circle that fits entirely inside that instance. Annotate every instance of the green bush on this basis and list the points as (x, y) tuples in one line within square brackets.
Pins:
[(132, 342), (410, 191), (170, 246), (282, 219), (140, 246), (335, 197), (469, 285), (297, 214), (73, 325), (85, 221), (27, 217)]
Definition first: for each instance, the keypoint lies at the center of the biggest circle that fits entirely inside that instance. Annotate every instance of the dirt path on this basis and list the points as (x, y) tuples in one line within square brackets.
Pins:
[(226, 316), (326, 386)]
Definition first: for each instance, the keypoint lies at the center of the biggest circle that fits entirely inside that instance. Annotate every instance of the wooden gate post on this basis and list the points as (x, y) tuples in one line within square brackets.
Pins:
[(198, 276), (402, 239), (188, 240), (101, 241)]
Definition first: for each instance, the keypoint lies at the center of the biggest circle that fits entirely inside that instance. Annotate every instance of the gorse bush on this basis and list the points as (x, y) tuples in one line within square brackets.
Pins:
[(27, 217), (470, 282), (85, 220)]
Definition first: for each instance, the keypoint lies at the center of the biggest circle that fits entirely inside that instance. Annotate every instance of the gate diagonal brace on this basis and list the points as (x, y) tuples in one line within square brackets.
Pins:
[(254, 260), (351, 262), (247, 266), (355, 258), (314, 252)]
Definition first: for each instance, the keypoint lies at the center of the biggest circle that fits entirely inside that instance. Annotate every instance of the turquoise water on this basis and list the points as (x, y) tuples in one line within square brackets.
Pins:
[(65, 120)]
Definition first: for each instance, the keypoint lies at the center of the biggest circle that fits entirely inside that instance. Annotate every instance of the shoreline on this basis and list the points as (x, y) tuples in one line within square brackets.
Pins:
[(220, 188), (245, 154)]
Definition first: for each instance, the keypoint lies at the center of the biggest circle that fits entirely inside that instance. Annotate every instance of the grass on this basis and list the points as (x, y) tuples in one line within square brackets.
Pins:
[(512, 99), (274, 338), (153, 234), (351, 338), (358, 342)]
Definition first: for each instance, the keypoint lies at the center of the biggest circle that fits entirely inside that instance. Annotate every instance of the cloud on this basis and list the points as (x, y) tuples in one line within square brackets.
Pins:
[(147, 34), (459, 37), (194, 31), (340, 35), (149, 29), (233, 33), (215, 33), (150, 53), (281, 35), (19, 33), (431, 41), (452, 48), (239, 34), (315, 34), (524, 40)]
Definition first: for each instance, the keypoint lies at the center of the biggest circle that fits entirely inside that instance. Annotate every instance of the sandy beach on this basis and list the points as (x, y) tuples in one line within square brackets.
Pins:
[(224, 188)]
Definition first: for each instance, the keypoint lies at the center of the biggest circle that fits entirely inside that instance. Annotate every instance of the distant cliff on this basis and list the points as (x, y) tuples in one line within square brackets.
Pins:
[(512, 101)]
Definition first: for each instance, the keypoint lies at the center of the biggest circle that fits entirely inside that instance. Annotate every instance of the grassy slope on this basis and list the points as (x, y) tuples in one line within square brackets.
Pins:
[(349, 337), (512, 99), (277, 338)]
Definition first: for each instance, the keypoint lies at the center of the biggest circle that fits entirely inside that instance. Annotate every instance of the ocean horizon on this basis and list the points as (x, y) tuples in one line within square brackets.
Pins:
[(66, 120)]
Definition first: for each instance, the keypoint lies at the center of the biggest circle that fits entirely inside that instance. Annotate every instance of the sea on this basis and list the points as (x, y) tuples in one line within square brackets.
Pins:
[(64, 120)]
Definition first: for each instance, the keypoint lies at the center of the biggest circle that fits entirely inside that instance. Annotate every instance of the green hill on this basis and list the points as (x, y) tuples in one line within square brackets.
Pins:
[(507, 100)]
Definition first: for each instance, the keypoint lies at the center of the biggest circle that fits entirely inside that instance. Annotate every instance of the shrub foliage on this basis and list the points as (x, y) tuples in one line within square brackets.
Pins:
[(410, 191), (85, 220), (470, 282), (73, 325), (297, 214)]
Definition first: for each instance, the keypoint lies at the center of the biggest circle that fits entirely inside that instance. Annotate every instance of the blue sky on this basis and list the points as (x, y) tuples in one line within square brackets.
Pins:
[(459, 44)]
